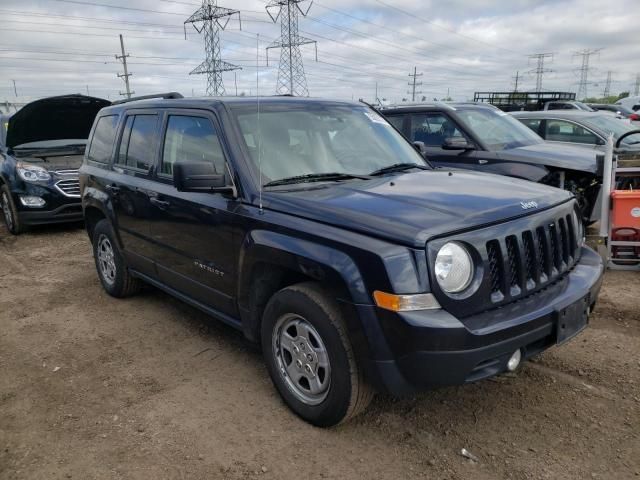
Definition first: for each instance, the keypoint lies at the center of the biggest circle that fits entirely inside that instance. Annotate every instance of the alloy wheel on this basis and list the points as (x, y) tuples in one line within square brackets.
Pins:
[(106, 260), (6, 210), (302, 359)]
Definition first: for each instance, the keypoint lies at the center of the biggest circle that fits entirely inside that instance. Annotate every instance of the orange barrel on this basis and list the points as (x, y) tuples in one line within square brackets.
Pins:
[(626, 209)]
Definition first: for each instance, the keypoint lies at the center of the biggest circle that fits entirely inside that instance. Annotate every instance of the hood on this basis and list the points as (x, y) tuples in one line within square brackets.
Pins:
[(54, 118), (557, 155), (413, 207)]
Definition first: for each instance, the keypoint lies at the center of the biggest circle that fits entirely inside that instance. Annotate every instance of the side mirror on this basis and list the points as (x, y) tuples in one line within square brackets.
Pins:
[(457, 143), (420, 147), (199, 177)]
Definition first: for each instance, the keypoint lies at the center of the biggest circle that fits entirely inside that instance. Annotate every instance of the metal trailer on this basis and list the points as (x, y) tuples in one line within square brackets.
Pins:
[(516, 101), (618, 163)]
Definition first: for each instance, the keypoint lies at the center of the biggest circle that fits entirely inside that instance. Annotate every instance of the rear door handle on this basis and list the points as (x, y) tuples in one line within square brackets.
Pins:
[(113, 188), (161, 204)]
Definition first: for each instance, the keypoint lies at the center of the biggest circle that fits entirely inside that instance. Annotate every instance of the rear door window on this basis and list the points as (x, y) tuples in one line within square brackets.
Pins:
[(137, 143), (561, 131), (103, 139)]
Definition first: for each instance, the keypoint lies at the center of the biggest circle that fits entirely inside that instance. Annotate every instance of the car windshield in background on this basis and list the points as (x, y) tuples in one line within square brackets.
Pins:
[(307, 140), (616, 126), (497, 130)]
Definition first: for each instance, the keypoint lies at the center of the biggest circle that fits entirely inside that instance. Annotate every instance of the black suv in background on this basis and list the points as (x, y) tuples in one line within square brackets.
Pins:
[(317, 230), (479, 136), (40, 153)]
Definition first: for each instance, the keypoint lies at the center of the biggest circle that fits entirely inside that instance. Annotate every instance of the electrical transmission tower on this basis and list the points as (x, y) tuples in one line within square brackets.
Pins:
[(414, 84), (607, 86), (126, 73), (584, 70), (291, 76), (540, 70), (516, 79), (213, 19)]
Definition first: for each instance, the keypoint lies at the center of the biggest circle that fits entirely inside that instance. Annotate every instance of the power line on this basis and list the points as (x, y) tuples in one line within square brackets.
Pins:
[(414, 84), (584, 70), (540, 70), (291, 75), (435, 24)]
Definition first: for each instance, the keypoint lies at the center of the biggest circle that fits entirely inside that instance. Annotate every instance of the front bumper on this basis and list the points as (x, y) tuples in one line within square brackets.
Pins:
[(430, 349), (59, 208)]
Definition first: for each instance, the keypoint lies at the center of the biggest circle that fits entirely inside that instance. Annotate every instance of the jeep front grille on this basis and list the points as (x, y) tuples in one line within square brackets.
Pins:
[(67, 172), (69, 188), (522, 263)]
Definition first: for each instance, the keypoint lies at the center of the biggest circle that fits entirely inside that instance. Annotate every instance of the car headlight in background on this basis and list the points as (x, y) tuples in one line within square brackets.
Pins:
[(32, 173), (453, 268)]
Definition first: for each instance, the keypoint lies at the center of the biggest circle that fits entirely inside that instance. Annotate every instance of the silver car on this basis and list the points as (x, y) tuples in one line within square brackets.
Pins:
[(589, 129)]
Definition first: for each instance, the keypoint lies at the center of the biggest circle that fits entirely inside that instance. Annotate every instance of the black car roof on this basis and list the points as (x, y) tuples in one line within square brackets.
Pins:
[(213, 102)]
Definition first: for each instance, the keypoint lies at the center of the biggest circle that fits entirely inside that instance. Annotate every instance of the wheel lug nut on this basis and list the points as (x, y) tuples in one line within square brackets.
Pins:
[(310, 357), (302, 346), (308, 368)]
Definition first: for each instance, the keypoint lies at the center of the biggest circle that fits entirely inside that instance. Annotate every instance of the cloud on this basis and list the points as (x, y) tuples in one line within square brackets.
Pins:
[(53, 47)]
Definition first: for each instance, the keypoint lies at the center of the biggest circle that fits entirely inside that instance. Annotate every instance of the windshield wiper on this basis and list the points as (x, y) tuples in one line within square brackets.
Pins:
[(398, 167), (315, 177)]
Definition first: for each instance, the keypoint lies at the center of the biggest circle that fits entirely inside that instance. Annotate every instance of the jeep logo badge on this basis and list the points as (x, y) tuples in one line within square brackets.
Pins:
[(528, 205)]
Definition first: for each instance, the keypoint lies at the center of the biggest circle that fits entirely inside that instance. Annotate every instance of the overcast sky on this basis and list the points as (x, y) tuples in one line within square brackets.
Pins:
[(52, 47)]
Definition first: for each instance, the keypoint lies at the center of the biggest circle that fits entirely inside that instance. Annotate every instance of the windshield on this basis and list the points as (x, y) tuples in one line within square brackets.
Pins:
[(313, 138), (618, 127), (497, 130), (583, 106)]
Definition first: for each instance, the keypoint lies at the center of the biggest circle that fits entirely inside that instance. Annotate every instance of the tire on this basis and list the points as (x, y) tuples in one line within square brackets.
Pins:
[(9, 212), (326, 387), (112, 269)]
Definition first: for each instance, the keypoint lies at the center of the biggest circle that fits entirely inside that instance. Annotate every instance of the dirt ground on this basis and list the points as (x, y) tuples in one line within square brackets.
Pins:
[(149, 388)]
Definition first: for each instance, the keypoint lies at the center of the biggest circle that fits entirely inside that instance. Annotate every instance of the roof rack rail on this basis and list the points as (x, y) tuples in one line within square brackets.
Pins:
[(166, 96)]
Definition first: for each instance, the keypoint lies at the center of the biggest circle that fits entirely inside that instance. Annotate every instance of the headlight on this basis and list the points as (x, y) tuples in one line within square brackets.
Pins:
[(32, 173), (454, 268)]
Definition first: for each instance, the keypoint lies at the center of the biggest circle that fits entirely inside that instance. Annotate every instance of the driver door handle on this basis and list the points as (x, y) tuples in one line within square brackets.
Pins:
[(161, 204), (113, 189), (483, 162)]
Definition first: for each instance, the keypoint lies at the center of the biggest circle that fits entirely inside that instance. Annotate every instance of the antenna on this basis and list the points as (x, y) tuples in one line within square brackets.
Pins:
[(261, 211)]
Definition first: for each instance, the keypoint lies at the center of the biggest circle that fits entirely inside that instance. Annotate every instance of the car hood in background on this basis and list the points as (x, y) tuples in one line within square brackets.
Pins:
[(556, 155), (54, 118), (411, 208)]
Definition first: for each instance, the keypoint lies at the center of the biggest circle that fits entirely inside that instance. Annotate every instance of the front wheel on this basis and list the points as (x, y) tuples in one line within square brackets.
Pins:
[(9, 212), (310, 358)]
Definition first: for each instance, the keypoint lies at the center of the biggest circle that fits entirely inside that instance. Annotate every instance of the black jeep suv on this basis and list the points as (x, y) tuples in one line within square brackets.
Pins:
[(479, 136), (40, 153), (316, 229)]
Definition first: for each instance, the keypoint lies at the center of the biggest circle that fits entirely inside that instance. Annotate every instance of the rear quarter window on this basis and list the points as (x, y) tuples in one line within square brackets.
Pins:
[(103, 139)]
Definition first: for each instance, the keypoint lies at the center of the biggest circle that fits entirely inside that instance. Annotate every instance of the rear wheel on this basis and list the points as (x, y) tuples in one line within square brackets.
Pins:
[(310, 358), (9, 212), (112, 269)]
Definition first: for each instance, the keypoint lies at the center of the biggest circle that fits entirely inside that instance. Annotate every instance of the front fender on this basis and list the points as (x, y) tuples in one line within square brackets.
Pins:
[(325, 264), (524, 171), (311, 259)]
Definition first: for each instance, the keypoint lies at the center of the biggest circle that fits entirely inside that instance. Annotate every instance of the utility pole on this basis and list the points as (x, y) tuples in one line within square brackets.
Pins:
[(291, 76), (15, 90), (517, 79), (636, 88), (126, 73), (584, 70), (87, 90), (213, 19), (607, 86), (540, 70), (414, 83)]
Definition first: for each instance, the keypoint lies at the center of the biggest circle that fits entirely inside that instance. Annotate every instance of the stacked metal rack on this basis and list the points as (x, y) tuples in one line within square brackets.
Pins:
[(620, 166)]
